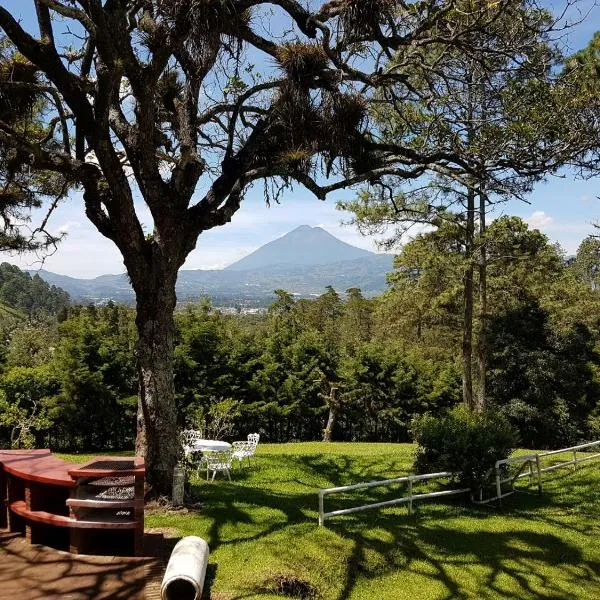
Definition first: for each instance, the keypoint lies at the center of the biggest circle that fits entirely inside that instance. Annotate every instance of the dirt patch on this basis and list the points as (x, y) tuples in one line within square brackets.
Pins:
[(293, 587), (166, 532), (163, 506)]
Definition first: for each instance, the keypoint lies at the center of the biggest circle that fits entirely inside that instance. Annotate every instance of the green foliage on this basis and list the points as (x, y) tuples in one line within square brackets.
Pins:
[(217, 420), (24, 424), (31, 346), (95, 365), (214, 358), (543, 377), (389, 359), (542, 324), (25, 393), (29, 383), (587, 262), (463, 442)]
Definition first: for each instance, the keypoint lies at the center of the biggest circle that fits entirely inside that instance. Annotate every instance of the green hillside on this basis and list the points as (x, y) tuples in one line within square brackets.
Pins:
[(29, 296)]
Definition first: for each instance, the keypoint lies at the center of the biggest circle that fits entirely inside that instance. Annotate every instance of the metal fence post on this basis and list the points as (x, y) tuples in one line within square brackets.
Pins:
[(574, 460), (321, 509), (498, 485), (539, 473), (410, 495)]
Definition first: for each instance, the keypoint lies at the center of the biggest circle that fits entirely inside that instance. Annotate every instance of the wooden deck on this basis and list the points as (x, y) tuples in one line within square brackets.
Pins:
[(35, 572)]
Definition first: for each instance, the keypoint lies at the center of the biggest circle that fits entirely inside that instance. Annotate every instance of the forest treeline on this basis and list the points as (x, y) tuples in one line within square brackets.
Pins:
[(344, 368), (32, 296)]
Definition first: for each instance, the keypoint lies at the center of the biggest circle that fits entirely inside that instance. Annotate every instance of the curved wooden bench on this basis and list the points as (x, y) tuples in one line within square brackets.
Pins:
[(41, 492), (44, 469)]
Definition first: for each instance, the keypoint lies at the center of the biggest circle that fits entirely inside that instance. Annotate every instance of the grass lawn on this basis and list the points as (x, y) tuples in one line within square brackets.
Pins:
[(262, 531)]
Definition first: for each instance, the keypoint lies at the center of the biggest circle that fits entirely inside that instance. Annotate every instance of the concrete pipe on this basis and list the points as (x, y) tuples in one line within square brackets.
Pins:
[(184, 577)]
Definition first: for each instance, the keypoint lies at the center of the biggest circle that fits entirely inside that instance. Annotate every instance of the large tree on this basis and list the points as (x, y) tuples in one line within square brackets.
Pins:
[(506, 105), (161, 100)]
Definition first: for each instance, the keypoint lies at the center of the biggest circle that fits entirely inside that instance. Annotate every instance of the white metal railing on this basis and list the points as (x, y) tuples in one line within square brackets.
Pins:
[(574, 450), (409, 498), (530, 467), (534, 462)]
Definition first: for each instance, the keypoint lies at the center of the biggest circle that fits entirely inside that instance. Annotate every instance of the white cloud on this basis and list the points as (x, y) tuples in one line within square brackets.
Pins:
[(539, 220), (216, 258), (66, 227)]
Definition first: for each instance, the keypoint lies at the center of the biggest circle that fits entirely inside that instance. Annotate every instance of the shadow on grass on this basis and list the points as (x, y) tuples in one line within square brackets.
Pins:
[(211, 574), (223, 502), (223, 507), (439, 554)]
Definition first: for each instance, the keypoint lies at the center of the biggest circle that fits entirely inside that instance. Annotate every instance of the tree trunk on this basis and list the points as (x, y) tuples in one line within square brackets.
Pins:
[(482, 335), (333, 412), (157, 434), (467, 342)]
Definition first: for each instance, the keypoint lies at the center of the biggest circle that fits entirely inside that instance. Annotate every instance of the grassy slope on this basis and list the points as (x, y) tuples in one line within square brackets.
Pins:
[(264, 524)]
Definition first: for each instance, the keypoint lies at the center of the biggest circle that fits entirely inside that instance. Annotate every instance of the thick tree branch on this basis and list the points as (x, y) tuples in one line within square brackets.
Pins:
[(46, 58)]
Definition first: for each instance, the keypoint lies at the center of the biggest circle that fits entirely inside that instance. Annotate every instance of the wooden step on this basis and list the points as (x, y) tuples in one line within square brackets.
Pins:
[(40, 516), (99, 518), (94, 502), (86, 519), (109, 467)]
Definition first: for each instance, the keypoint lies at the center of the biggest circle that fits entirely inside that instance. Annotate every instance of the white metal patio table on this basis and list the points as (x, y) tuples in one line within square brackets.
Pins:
[(201, 445), (208, 446)]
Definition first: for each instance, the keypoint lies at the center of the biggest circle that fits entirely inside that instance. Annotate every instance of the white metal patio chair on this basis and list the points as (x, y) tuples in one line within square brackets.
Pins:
[(218, 461), (246, 450), (241, 451), (188, 439)]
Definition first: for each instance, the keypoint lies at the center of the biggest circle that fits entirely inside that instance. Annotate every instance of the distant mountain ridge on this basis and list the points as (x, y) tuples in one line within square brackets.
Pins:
[(302, 246), (294, 262)]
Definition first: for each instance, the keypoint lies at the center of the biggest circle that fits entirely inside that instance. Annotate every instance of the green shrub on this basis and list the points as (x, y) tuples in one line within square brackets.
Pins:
[(463, 442), (217, 420)]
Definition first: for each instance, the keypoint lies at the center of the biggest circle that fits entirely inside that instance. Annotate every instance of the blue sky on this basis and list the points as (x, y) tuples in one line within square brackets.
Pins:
[(563, 207)]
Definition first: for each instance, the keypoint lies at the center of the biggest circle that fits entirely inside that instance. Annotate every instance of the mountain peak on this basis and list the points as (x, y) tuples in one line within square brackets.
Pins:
[(303, 246)]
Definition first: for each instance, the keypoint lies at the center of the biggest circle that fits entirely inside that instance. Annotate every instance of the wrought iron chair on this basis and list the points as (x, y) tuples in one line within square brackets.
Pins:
[(218, 461), (188, 439), (241, 451), (246, 450)]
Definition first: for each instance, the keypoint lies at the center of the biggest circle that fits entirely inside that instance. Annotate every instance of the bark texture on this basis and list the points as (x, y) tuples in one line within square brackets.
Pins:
[(157, 433), (482, 331), (157, 438), (467, 341), (333, 413)]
